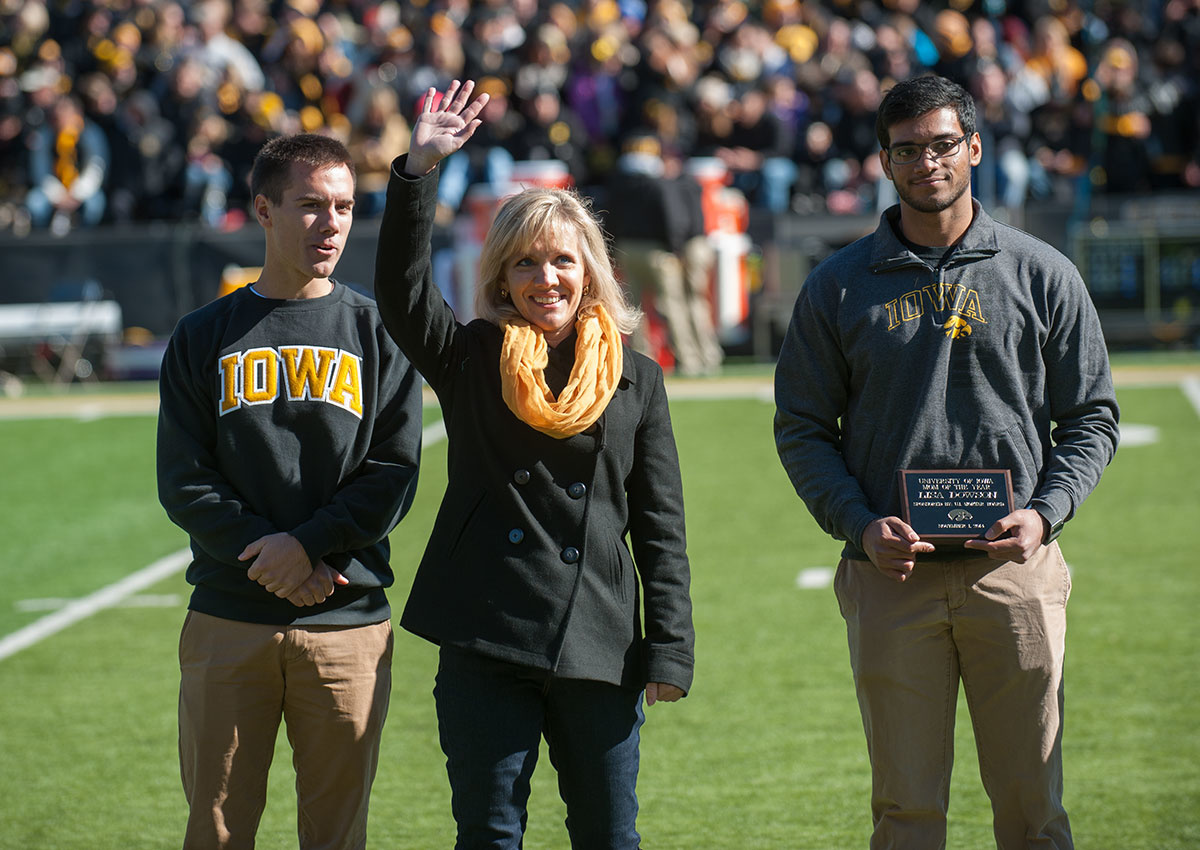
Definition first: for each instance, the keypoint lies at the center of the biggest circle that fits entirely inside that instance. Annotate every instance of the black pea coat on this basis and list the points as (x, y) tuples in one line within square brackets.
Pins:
[(528, 560)]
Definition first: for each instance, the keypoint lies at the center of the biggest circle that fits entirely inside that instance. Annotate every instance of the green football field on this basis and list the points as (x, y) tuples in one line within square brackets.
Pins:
[(766, 752)]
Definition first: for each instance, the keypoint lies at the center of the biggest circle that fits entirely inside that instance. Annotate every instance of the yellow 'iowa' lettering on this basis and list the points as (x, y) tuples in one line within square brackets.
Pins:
[(943, 300), (347, 384), (971, 308), (260, 376), (295, 372), (231, 396), (306, 371)]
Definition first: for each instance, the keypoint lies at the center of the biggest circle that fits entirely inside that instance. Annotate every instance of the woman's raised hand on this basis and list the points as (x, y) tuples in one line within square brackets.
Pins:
[(440, 132)]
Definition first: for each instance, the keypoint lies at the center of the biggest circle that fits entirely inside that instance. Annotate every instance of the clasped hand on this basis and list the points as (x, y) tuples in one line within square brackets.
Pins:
[(282, 567)]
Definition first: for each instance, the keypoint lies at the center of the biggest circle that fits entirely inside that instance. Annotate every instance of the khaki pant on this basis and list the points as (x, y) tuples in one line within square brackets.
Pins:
[(1000, 629), (330, 684)]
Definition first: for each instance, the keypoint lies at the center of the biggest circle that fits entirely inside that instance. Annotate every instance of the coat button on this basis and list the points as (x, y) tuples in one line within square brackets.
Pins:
[(570, 555), (521, 476), (577, 490), (516, 535)]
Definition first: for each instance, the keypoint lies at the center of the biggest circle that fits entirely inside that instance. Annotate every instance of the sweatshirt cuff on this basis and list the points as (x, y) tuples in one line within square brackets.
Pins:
[(856, 523), (316, 540)]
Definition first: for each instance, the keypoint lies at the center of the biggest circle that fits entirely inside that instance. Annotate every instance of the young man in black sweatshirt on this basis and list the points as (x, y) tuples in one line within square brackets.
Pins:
[(288, 441)]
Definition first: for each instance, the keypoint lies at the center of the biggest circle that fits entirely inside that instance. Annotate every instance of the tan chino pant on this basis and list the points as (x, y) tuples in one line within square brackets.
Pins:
[(331, 686), (1000, 629)]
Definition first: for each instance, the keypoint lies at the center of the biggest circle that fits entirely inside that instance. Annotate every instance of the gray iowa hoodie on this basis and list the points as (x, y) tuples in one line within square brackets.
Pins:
[(993, 360)]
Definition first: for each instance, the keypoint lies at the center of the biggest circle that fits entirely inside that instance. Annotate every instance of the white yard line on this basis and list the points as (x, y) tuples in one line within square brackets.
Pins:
[(1191, 389), (434, 433), (103, 598), (114, 594)]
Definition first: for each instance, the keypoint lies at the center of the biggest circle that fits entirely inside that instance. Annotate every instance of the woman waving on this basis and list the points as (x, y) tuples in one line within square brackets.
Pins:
[(561, 461)]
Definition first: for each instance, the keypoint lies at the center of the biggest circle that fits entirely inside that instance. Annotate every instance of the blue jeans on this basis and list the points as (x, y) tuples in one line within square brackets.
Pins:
[(491, 717)]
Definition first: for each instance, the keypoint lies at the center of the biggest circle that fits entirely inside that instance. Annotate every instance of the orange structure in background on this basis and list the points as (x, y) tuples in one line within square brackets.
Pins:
[(235, 277), (727, 222)]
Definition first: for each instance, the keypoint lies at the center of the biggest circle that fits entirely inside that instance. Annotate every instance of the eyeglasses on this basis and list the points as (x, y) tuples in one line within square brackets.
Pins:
[(908, 154)]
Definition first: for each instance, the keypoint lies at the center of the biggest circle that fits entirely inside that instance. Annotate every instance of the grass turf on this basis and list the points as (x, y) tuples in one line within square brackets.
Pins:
[(766, 752)]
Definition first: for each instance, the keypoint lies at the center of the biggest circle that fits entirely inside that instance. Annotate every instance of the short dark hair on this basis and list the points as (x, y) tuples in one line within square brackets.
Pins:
[(273, 165), (913, 98)]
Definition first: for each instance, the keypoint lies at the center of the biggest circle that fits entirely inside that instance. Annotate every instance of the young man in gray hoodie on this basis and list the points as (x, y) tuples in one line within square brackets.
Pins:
[(948, 341)]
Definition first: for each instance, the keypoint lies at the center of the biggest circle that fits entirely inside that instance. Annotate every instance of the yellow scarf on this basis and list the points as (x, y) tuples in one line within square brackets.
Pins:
[(594, 377)]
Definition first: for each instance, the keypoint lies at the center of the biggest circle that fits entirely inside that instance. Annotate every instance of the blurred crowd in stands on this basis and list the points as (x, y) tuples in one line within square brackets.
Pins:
[(137, 110)]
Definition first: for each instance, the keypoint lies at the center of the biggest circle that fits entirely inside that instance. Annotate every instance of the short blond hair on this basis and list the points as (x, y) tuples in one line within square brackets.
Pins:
[(519, 222)]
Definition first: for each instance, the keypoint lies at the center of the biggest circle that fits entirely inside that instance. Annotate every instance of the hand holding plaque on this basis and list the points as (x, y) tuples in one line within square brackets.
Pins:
[(954, 504)]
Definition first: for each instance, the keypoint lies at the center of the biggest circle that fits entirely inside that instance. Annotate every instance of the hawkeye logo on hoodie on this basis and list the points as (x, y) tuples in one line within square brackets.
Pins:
[(952, 304), (295, 372)]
